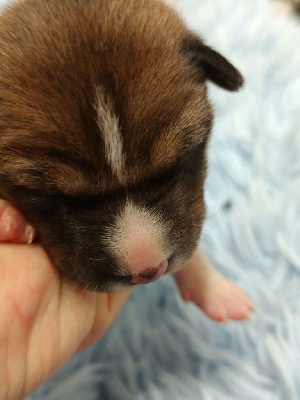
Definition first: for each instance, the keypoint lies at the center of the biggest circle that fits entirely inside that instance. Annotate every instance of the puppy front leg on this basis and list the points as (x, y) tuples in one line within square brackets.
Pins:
[(13, 226), (215, 295)]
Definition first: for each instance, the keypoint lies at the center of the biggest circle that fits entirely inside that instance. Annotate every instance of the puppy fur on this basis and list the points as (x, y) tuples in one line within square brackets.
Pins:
[(104, 121)]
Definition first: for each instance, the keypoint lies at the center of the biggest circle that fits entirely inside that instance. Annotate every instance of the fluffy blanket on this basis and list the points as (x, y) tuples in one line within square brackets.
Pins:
[(162, 349)]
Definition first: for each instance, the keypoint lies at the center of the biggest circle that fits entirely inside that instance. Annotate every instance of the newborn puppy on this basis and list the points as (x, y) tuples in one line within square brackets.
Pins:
[(104, 126)]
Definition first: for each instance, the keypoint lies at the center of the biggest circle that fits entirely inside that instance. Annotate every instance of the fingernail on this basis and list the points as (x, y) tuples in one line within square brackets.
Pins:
[(6, 221), (29, 234)]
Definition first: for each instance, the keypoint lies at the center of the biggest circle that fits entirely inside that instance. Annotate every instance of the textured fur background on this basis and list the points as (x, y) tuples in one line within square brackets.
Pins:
[(162, 349)]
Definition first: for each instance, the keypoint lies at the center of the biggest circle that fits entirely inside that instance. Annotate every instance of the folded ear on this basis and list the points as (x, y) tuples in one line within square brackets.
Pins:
[(212, 65)]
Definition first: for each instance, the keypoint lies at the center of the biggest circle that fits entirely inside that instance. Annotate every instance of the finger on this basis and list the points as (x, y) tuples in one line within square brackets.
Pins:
[(13, 226), (107, 309)]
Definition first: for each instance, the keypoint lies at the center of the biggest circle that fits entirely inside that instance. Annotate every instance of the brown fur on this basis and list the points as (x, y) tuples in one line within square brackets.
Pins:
[(53, 56), (44, 65)]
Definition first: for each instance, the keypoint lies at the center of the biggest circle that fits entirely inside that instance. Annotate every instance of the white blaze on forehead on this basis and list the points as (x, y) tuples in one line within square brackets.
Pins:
[(108, 124), (139, 239)]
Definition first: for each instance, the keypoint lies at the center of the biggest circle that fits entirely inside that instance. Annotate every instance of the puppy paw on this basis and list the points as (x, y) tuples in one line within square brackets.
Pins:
[(13, 226), (215, 295), (219, 299)]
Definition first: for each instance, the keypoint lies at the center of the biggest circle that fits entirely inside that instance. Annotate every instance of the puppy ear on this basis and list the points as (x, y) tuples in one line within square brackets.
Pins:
[(212, 65)]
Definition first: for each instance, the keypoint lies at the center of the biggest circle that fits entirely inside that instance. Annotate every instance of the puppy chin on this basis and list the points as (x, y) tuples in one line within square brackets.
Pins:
[(176, 264), (111, 288), (107, 287)]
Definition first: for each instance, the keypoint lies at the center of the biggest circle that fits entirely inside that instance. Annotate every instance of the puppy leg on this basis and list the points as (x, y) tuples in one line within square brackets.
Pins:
[(13, 226), (217, 297)]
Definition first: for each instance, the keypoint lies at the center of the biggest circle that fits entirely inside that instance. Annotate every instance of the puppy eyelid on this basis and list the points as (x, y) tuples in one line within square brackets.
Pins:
[(166, 175)]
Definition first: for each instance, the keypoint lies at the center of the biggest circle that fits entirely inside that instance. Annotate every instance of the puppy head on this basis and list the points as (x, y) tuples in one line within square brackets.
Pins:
[(104, 124)]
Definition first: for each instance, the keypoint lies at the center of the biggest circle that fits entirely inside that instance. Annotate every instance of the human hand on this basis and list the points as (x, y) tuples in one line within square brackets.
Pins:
[(44, 318)]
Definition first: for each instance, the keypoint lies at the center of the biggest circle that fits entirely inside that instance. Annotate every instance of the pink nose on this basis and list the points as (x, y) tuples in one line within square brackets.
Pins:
[(151, 274)]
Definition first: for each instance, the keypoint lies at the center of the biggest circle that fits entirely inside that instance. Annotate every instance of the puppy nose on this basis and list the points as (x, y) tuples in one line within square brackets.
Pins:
[(150, 274)]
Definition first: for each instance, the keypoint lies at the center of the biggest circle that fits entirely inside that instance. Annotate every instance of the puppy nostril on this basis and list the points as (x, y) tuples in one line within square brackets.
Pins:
[(149, 274)]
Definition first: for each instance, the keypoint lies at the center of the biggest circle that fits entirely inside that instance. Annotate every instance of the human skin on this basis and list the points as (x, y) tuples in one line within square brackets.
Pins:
[(44, 319)]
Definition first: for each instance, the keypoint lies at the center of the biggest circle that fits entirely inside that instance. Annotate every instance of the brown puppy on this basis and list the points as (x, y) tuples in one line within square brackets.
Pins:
[(104, 124)]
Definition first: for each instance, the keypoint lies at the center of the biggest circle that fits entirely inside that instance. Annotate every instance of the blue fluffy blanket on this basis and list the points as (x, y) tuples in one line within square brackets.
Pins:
[(161, 349)]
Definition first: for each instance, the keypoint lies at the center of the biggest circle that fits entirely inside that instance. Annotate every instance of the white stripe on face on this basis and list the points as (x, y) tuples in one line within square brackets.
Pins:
[(138, 239), (108, 124)]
